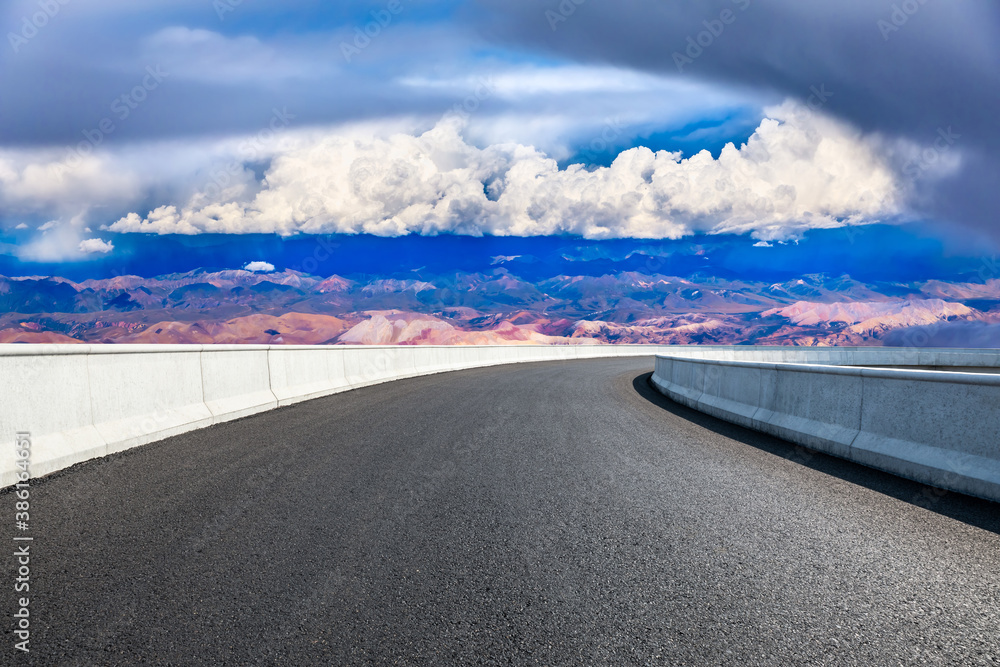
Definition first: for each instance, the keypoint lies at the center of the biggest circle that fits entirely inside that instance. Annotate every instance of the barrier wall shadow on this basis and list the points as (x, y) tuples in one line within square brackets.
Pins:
[(967, 509)]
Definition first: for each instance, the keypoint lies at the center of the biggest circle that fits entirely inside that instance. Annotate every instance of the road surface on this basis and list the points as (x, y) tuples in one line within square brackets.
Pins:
[(547, 513)]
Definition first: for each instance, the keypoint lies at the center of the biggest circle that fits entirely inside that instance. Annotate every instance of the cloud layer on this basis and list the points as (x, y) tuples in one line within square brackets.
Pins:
[(914, 80), (799, 170), (906, 68)]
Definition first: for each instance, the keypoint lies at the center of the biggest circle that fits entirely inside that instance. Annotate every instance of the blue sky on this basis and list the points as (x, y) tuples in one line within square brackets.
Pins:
[(131, 127)]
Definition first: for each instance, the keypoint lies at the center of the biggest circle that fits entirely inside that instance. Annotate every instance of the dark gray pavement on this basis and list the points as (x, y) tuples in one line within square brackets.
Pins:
[(550, 513)]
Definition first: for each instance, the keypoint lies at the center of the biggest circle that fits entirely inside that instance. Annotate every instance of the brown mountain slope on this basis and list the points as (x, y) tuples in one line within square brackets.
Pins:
[(290, 329), (22, 336)]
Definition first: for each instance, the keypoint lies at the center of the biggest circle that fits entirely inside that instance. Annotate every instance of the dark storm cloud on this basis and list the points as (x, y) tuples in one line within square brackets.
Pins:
[(63, 71), (910, 68)]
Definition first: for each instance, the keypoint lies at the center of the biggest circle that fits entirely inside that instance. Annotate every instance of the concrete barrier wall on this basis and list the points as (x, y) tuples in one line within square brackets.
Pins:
[(843, 356), (145, 393), (236, 381), (298, 374), (47, 395), (938, 428)]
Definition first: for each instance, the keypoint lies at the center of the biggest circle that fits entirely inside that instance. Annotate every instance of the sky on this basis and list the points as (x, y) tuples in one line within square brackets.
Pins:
[(130, 129)]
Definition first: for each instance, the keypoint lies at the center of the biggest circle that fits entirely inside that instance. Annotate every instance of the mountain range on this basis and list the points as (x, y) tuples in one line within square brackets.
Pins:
[(493, 305)]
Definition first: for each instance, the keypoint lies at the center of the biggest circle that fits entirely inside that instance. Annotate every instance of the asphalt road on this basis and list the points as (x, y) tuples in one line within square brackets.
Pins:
[(549, 513)]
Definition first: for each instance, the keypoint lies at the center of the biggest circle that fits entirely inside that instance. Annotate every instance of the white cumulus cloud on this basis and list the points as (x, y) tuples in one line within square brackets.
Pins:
[(94, 246), (799, 170), (264, 267)]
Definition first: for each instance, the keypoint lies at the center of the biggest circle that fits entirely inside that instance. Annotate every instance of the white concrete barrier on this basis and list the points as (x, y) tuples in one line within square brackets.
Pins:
[(298, 374), (367, 365), (146, 393), (236, 380), (937, 358), (48, 396), (940, 428)]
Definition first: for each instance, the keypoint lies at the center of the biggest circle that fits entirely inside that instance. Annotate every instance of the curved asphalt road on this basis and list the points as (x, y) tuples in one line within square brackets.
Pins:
[(550, 513)]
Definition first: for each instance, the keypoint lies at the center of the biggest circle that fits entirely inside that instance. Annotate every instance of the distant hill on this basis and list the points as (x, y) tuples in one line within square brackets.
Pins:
[(494, 305)]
